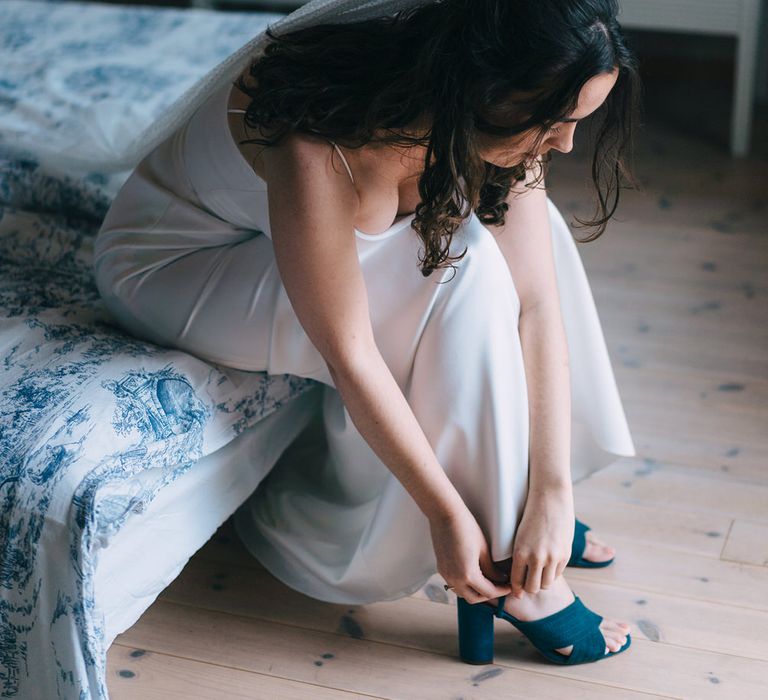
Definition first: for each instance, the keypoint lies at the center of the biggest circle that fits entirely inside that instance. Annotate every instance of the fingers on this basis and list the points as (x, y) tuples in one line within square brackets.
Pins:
[(470, 594), (517, 576), (548, 575), (533, 579), (527, 575), (561, 568), (479, 589), (485, 583), (531, 576), (524, 577), (486, 586), (486, 589)]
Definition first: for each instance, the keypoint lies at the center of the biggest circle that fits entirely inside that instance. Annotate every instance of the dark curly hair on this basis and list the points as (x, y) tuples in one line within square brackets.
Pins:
[(475, 71)]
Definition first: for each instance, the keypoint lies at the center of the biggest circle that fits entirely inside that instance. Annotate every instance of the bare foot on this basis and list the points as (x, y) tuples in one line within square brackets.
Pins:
[(534, 606), (595, 550)]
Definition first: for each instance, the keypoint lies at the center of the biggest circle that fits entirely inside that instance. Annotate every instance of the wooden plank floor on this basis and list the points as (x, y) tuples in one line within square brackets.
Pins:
[(680, 281)]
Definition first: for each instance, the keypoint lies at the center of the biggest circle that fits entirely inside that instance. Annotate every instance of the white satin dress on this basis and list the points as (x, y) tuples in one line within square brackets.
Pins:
[(184, 259)]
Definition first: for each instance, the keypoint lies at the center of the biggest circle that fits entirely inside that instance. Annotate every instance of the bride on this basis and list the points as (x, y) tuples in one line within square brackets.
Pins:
[(365, 206)]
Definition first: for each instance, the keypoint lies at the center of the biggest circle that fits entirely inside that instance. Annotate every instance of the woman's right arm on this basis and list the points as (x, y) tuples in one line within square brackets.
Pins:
[(311, 210)]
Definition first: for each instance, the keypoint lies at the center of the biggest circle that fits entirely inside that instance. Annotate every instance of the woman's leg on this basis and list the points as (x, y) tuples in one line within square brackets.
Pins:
[(335, 523), (215, 302), (339, 526)]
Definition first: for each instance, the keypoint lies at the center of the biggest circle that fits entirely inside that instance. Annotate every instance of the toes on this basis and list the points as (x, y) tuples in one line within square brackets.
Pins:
[(591, 539), (614, 635), (602, 546), (617, 642), (620, 627), (597, 553), (615, 626)]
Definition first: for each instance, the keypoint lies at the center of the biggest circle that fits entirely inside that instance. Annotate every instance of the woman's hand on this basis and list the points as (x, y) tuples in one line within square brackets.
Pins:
[(542, 544), (464, 559)]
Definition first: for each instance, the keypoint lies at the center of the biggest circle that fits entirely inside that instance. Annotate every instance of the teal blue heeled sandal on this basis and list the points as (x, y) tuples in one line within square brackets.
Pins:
[(578, 546), (575, 624)]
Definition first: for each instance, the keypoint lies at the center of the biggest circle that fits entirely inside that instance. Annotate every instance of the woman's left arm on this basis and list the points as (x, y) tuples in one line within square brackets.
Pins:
[(546, 531)]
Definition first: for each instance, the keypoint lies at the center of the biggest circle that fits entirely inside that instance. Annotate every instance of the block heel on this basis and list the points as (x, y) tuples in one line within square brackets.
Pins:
[(475, 632)]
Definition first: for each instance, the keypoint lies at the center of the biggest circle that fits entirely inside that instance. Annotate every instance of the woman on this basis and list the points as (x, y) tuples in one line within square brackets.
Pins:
[(377, 222)]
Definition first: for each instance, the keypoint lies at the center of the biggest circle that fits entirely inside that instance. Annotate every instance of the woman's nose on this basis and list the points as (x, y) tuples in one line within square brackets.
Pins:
[(562, 142)]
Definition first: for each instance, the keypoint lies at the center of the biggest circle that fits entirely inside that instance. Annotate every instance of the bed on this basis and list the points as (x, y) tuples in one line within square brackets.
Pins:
[(118, 458)]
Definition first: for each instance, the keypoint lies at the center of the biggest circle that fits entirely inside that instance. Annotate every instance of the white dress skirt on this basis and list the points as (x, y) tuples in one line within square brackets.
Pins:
[(184, 258)]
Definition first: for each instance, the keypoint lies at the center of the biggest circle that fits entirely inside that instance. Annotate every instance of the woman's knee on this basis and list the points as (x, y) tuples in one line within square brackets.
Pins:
[(484, 269)]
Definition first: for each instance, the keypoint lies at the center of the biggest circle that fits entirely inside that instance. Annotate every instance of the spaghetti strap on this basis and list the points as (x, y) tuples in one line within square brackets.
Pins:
[(344, 160)]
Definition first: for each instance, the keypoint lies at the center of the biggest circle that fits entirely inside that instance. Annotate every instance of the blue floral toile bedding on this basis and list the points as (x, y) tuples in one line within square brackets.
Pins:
[(83, 405)]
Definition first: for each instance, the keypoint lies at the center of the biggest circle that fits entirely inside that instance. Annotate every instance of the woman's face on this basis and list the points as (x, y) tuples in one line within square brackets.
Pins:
[(560, 136)]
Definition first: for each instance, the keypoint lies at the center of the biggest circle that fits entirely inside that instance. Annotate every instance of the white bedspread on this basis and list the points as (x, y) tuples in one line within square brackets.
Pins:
[(96, 426)]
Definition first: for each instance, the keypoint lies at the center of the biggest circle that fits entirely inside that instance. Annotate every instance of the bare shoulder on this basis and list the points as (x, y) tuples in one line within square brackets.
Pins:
[(304, 170), (309, 199), (309, 167), (310, 154), (307, 156)]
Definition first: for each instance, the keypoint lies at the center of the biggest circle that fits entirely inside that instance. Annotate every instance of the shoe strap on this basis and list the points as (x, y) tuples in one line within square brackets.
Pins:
[(575, 624), (570, 625), (579, 540), (500, 606)]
